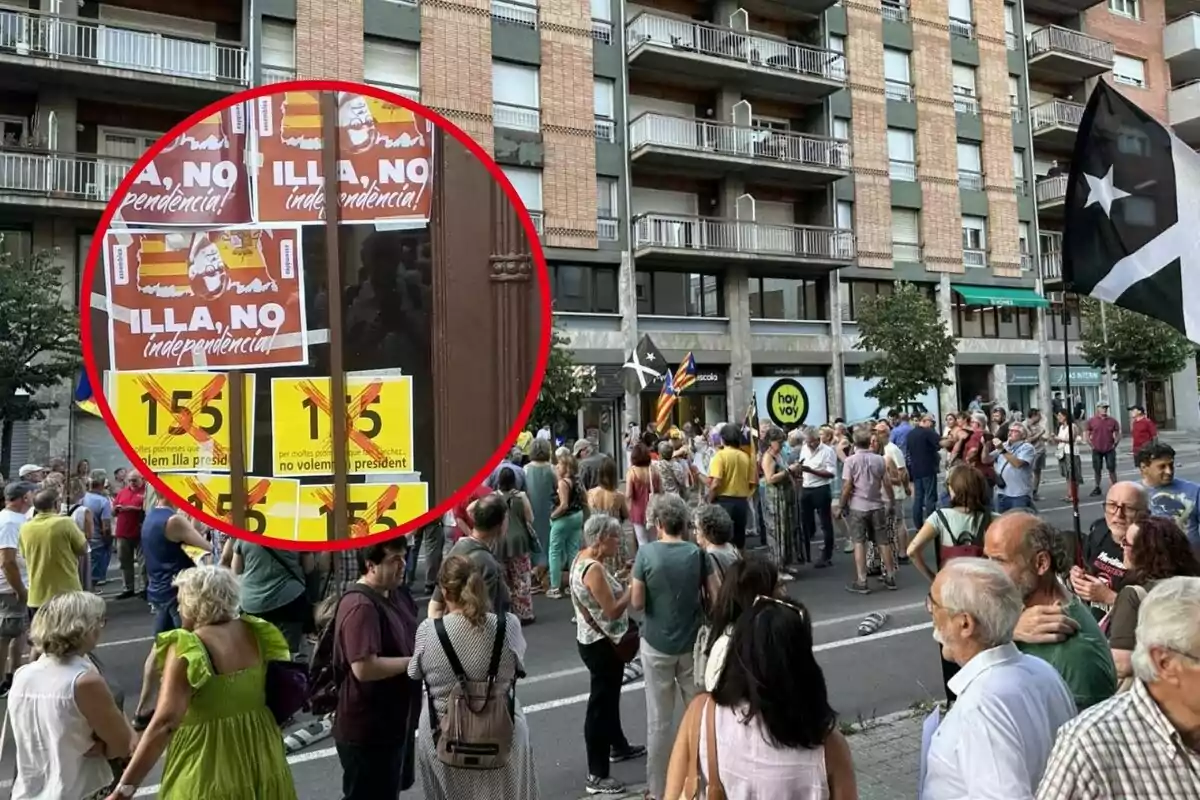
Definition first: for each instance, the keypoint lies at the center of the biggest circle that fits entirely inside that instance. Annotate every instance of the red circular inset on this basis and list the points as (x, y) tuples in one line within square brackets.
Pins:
[(540, 274)]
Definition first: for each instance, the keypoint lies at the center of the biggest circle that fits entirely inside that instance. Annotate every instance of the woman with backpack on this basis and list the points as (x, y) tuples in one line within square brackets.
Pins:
[(514, 549), (275, 587), (474, 740), (956, 531)]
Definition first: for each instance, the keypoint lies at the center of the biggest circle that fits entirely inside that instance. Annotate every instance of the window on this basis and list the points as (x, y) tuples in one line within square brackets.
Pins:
[(970, 166), (845, 215), (528, 183), (964, 80), (989, 322), (974, 241), (1014, 91), (1023, 237), (515, 97), (1126, 8), (789, 299), (1019, 172), (861, 290), (961, 10), (841, 128), (897, 75), (127, 144), (606, 197), (1129, 71), (902, 154), (906, 235), (278, 50), (1010, 19), (680, 294), (583, 289), (602, 10), (391, 65), (602, 92), (837, 43), (17, 243)]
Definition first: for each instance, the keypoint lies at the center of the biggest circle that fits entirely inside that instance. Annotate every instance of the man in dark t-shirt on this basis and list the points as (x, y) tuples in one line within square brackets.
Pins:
[(923, 448), (488, 515), (1100, 568)]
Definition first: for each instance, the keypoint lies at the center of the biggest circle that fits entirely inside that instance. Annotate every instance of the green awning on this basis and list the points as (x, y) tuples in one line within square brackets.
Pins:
[(1001, 296)]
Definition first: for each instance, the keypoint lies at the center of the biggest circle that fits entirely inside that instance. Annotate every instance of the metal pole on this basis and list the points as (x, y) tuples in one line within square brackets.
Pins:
[(1073, 479), (1109, 383), (333, 290), (237, 449)]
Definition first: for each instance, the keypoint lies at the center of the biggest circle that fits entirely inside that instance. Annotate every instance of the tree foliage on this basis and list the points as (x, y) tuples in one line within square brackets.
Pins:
[(39, 339), (1139, 348), (564, 388), (911, 348)]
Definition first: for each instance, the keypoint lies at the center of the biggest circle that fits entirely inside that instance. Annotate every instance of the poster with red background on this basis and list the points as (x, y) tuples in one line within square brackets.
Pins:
[(199, 178), (385, 160), (205, 299)]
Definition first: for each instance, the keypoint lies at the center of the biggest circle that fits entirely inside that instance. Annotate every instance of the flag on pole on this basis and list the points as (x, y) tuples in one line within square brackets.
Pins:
[(643, 368), (751, 420), (685, 376), (666, 402), (85, 398), (1132, 231)]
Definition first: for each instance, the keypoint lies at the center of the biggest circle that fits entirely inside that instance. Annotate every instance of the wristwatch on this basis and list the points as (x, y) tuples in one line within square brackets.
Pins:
[(126, 790)]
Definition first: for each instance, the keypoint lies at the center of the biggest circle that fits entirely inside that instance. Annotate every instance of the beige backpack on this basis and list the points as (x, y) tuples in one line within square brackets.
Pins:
[(477, 729)]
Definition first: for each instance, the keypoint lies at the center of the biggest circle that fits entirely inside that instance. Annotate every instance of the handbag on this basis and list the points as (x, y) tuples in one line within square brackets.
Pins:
[(692, 787), (286, 689), (631, 641)]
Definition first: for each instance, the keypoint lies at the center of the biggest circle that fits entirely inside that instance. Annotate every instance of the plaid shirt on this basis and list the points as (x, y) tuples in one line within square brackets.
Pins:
[(1123, 747)]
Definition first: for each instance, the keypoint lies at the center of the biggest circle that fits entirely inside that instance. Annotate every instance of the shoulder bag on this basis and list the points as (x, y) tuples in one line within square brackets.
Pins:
[(629, 645), (692, 787)]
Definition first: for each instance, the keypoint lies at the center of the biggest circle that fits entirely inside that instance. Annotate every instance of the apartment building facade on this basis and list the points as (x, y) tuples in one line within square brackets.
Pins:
[(738, 178)]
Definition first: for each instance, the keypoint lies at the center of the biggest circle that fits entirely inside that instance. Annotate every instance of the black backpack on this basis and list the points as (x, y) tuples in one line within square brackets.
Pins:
[(325, 674)]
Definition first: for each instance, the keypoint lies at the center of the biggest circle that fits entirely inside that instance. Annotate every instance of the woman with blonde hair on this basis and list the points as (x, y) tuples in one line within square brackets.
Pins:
[(464, 637), (566, 523), (212, 706), (66, 723)]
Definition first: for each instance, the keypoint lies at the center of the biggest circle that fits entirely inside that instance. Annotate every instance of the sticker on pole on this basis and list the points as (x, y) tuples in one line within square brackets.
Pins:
[(373, 508), (271, 507), (180, 421), (379, 426), (195, 300)]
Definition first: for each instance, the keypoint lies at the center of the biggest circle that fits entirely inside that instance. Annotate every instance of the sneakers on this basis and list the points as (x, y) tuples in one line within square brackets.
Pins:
[(555, 594), (125, 595), (1096, 492), (890, 582), (858, 587), (596, 785), (634, 751)]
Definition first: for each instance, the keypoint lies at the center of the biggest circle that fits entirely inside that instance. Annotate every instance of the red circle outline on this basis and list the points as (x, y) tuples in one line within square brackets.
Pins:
[(540, 273)]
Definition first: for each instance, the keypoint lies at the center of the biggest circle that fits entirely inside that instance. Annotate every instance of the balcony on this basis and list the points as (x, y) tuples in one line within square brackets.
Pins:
[(907, 252), (688, 240), (899, 91), (1054, 125), (81, 181), (902, 170), (966, 104), (1183, 110), (516, 118), (676, 145), (99, 55), (1064, 57), (789, 11), (701, 55), (1026, 260), (277, 75), (1051, 197), (894, 10), (1051, 257), (1181, 47), (606, 129), (521, 14), (537, 217), (607, 229), (974, 258), (962, 27), (602, 31), (411, 93), (970, 180), (1060, 9)]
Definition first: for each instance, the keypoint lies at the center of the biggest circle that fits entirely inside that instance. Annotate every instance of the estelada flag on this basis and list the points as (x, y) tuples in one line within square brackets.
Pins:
[(181, 264)]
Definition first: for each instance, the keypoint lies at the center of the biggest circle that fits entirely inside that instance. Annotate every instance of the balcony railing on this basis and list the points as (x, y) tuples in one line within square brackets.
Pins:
[(1021, 185), (82, 176), (753, 49), (602, 31), (1016, 113), (1051, 261), (974, 258), (85, 41), (410, 92), (894, 10), (706, 234), (1052, 190), (517, 118), (966, 104), (1052, 38), (902, 170), (606, 129), (970, 180), (1010, 40), (962, 27), (521, 14), (898, 90), (606, 229), (722, 138), (1055, 113), (277, 74), (906, 251), (1026, 260), (536, 216)]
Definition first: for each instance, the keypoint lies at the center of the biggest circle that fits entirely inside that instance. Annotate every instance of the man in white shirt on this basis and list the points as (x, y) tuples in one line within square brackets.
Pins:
[(14, 580), (818, 465), (995, 741)]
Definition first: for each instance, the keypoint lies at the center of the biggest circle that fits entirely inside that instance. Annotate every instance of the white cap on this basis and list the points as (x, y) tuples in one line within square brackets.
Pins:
[(29, 468)]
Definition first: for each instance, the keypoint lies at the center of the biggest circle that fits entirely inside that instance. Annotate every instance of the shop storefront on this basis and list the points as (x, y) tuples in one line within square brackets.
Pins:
[(601, 414), (702, 404), (1085, 387), (791, 396)]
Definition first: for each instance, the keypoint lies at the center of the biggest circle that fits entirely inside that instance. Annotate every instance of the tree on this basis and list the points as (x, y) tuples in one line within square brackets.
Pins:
[(39, 341), (1139, 348), (912, 349), (564, 388)]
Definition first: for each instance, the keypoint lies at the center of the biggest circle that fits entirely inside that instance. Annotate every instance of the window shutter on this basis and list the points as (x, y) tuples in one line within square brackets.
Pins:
[(603, 94), (528, 183), (279, 45), (961, 9), (514, 85), (1018, 164), (905, 226), (1010, 19), (895, 65), (901, 145), (391, 64), (602, 10), (969, 157), (964, 79)]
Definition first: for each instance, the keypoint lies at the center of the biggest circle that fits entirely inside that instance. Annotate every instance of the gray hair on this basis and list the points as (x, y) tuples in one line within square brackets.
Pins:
[(1042, 537), (208, 595), (670, 513), (1017, 426), (1169, 619), (64, 621), (980, 588), (598, 527), (539, 450), (666, 449), (561, 453), (796, 436), (97, 477), (980, 417), (862, 438)]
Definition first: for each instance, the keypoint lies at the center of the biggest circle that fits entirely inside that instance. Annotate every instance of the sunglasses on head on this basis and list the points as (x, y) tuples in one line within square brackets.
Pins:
[(763, 599)]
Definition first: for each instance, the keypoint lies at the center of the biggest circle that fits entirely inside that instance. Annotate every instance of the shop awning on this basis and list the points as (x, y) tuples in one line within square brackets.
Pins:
[(1001, 296)]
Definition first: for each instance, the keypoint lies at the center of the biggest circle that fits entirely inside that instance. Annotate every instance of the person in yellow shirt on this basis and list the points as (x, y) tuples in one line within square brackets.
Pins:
[(51, 545), (731, 481)]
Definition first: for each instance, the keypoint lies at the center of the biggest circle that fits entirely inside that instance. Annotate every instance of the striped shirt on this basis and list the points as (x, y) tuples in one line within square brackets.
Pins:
[(1123, 747)]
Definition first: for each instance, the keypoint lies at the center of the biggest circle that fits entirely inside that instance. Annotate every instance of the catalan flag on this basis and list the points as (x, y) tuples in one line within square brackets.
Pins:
[(163, 260), (685, 376), (666, 401), (85, 398), (301, 115)]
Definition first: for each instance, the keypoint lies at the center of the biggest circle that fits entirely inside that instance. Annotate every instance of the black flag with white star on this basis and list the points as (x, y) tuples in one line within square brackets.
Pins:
[(643, 368), (1132, 231)]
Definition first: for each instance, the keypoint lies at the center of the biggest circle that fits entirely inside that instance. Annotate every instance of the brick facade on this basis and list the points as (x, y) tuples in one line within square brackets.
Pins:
[(937, 132), (995, 108), (868, 131), (329, 39), (456, 64), (1139, 39), (568, 124)]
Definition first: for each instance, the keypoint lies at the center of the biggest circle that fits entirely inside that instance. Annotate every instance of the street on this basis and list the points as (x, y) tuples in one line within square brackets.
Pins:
[(868, 677)]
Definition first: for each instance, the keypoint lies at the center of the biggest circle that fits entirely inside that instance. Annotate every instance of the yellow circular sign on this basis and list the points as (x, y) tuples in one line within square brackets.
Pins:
[(787, 403)]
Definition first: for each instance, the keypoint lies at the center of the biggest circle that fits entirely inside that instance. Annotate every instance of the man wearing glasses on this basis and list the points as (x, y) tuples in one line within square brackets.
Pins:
[(1097, 576)]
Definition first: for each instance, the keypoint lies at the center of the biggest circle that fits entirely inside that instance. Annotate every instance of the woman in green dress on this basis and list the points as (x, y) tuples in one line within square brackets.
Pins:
[(540, 484), (212, 718)]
